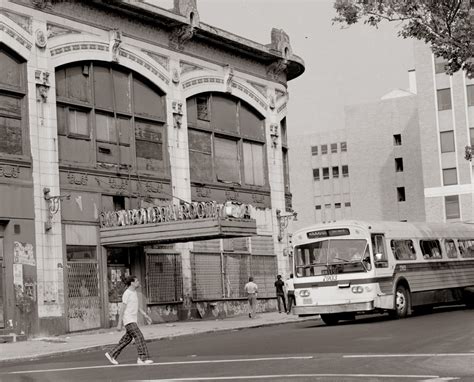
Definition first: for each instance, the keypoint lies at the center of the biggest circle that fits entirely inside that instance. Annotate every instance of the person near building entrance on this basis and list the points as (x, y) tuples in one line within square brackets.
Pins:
[(279, 284), (290, 290), (252, 289), (129, 317)]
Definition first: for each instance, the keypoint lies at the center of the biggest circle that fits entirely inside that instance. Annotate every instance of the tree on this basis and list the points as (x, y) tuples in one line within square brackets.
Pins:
[(445, 25)]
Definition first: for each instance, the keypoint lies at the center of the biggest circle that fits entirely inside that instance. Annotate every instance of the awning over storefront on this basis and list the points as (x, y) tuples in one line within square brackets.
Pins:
[(172, 224), (178, 231)]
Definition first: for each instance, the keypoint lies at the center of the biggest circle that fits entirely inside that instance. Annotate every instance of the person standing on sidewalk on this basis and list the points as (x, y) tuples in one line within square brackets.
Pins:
[(252, 289), (290, 290), (279, 284), (129, 317)]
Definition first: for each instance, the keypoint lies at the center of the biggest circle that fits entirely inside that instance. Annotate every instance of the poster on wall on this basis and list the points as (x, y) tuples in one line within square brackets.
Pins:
[(23, 253)]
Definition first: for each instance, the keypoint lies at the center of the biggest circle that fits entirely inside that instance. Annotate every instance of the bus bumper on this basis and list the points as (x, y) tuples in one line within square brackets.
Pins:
[(339, 308)]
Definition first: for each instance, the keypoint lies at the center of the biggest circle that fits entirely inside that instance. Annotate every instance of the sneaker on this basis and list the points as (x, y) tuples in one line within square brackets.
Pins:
[(144, 362), (113, 361)]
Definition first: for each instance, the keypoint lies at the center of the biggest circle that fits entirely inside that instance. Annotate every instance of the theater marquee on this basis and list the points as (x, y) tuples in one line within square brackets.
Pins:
[(176, 223)]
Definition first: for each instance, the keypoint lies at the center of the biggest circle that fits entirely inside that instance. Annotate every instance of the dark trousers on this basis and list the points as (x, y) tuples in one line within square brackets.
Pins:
[(291, 299), (280, 299), (132, 332)]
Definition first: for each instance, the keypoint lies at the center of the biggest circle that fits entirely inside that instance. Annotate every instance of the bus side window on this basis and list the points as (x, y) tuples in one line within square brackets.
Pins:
[(403, 249), (450, 248), (380, 255), (431, 249)]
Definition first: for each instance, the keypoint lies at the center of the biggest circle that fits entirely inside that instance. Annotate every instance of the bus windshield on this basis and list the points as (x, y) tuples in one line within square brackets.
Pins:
[(332, 256)]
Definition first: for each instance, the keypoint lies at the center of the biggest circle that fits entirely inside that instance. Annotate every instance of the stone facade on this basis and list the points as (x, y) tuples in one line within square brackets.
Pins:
[(104, 102)]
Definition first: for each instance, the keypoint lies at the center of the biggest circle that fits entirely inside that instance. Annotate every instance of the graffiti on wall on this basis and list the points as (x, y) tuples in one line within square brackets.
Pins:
[(23, 254)]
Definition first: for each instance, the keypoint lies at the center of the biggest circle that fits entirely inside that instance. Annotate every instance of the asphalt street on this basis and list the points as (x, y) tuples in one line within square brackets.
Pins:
[(430, 347)]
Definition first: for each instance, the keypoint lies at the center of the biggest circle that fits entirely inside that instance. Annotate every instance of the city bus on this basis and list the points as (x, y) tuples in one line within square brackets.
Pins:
[(346, 268)]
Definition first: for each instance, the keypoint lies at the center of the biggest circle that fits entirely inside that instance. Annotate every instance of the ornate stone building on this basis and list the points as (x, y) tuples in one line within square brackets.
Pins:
[(137, 140)]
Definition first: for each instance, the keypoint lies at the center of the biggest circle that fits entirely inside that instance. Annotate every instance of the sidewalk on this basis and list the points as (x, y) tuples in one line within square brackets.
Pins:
[(75, 342)]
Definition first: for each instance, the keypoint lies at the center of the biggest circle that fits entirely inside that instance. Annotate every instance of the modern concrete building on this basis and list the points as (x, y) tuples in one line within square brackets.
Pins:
[(370, 169), (446, 117), (137, 140)]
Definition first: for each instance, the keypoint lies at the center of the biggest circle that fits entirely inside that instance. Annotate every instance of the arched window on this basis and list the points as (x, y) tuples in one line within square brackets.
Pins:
[(13, 137), (226, 141), (110, 116)]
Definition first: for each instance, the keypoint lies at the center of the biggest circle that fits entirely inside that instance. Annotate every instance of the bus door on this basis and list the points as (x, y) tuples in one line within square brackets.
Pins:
[(382, 263), (383, 272)]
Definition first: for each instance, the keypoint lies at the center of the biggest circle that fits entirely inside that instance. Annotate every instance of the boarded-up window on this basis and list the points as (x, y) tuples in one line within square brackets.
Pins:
[(149, 140), (200, 155), (224, 114), (226, 160), (251, 125), (10, 136), (77, 80), (10, 70), (164, 278), (103, 88), (202, 108), (253, 164), (10, 106), (286, 170), (121, 84), (148, 102), (78, 123), (105, 128)]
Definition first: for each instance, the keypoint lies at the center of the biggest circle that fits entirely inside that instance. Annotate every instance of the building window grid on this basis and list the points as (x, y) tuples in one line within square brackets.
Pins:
[(343, 146), (314, 150), (333, 148), (399, 164), (315, 173), (324, 149), (397, 139)]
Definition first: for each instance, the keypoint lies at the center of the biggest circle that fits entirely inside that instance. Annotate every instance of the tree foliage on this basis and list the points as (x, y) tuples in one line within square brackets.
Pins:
[(445, 25)]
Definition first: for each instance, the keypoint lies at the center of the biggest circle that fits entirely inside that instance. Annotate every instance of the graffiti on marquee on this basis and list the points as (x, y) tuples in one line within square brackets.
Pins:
[(185, 211)]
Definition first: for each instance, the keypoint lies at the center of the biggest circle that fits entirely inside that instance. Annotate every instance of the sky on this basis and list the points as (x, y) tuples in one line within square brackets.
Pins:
[(343, 66)]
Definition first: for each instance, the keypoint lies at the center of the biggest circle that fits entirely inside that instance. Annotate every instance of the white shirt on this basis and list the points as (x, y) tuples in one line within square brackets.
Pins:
[(130, 298), (290, 285), (251, 287)]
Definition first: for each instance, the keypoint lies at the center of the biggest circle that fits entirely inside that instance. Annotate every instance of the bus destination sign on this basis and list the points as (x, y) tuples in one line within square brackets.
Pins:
[(327, 232)]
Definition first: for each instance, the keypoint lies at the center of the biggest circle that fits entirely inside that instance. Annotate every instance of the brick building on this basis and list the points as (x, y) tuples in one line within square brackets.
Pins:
[(137, 140)]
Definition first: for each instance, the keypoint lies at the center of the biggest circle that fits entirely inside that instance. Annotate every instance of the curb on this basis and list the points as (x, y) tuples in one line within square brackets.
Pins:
[(85, 349)]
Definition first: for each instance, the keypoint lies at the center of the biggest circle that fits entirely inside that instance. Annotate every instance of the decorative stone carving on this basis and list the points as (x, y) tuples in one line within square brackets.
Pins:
[(177, 107), (262, 89), (115, 42), (42, 3), (275, 69), (9, 171), (281, 43), (229, 77), (23, 21), (187, 8), (42, 85), (271, 102), (40, 39), (175, 76), (180, 36), (77, 179), (187, 67), (54, 30), (274, 135)]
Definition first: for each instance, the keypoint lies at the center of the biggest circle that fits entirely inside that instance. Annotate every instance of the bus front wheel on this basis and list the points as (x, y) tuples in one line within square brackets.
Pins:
[(402, 302), (330, 319)]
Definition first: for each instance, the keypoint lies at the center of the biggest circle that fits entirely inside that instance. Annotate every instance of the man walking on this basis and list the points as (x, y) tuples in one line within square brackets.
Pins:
[(290, 290), (279, 284), (129, 317), (252, 289)]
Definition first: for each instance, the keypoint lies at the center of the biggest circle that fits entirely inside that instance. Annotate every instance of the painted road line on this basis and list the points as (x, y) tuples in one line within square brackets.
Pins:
[(408, 355), (288, 376), (162, 364)]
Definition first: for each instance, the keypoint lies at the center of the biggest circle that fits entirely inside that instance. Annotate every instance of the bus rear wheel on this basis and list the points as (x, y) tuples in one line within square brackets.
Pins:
[(402, 302), (330, 319)]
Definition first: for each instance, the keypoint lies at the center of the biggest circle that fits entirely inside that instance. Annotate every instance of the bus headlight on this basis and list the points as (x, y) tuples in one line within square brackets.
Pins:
[(304, 293), (357, 289)]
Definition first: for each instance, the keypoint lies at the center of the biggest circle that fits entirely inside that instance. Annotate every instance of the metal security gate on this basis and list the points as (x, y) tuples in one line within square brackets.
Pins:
[(164, 277), (83, 288)]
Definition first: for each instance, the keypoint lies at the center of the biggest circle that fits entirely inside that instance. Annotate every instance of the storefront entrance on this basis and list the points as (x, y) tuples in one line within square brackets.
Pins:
[(84, 307)]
